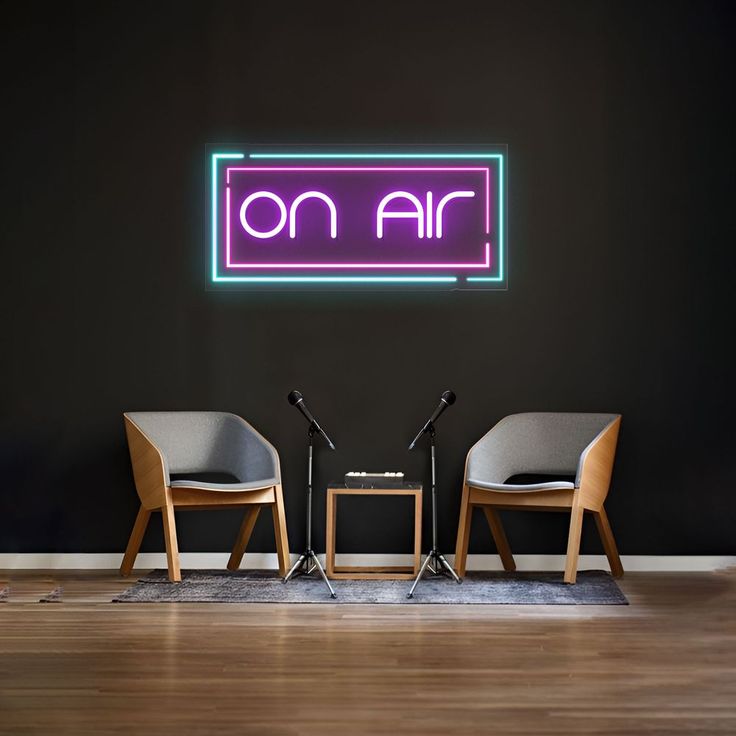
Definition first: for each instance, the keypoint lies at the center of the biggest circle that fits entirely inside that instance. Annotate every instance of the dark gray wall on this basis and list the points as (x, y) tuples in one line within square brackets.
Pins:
[(619, 119)]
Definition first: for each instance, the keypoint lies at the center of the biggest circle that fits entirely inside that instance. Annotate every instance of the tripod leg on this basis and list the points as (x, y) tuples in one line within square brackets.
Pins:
[(322, 573), (449, 569), (410, 594), (296, 566)]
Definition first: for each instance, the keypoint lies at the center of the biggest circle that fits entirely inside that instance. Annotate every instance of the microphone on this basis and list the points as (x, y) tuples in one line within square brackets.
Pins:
[(447, 399), (296, 399)]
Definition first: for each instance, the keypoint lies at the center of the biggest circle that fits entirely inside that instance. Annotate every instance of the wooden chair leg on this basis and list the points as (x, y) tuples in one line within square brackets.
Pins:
[(609, 543), (573, 542), (463, 533), (499, 537), (279, 529), (246, 529), (134, 543), (172, 547)]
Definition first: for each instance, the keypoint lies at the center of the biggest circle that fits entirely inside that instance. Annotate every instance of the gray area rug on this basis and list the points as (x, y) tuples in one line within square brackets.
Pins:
[(594, 587)]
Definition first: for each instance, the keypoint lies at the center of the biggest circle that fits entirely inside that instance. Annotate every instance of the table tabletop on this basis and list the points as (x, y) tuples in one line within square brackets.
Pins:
[(374, 486)]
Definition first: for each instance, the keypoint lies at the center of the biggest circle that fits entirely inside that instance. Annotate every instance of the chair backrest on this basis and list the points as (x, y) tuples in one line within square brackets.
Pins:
[(543, 443), (208, 442)]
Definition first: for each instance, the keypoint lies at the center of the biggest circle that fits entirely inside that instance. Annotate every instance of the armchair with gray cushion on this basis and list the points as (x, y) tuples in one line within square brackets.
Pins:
[(578, 445), (166, 447)]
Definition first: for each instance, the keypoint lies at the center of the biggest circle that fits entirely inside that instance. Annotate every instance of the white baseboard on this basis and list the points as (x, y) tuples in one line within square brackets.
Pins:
[(267, 560)]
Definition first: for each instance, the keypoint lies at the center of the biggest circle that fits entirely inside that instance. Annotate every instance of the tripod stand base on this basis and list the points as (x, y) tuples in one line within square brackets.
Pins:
[(437, 563), (307, 563)]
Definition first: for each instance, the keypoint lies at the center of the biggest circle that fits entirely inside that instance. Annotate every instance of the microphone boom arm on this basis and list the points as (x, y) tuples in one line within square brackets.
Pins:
[(314, 427), (428, 427)]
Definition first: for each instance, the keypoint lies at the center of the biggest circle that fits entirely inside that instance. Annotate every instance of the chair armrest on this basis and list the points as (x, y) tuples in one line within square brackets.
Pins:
[(149, 470), (596, 467)]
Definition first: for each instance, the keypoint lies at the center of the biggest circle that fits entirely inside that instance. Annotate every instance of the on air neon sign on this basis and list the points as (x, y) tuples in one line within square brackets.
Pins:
[(370, 218)]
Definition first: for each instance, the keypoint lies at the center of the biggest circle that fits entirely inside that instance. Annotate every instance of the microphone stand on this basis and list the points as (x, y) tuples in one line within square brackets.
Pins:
[(308, 561), (435, 560)]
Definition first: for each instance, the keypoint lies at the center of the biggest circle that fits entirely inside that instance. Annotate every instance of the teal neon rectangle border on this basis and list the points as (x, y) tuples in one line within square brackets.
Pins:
[(216, 278)]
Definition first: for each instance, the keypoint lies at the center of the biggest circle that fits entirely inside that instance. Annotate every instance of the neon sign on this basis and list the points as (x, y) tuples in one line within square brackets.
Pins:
[(368, 218)]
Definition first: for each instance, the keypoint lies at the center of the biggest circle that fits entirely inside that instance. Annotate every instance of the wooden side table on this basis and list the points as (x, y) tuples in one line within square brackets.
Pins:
[(392, 572)]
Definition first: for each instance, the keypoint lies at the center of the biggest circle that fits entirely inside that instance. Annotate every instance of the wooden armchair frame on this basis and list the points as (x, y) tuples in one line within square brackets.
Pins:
[(155, 495), (595, 478)]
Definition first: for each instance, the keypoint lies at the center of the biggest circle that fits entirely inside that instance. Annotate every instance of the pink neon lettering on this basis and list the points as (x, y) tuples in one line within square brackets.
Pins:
[(259, 233), (441, 206), (429, 214), (424, 217), (418, 212), (316, 195)]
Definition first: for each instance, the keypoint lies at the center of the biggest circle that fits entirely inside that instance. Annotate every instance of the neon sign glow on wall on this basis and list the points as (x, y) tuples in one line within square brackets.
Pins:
[(357, 218)]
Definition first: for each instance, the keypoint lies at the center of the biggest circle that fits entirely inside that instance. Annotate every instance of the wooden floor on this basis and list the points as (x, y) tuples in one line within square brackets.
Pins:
[(666, 664)]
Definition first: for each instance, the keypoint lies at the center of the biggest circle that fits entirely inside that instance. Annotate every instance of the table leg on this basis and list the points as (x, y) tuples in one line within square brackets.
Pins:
[(417, 531), (330, 532)]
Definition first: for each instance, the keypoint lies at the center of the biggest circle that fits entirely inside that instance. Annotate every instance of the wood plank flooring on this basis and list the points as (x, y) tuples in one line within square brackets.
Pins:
[(666, 664)]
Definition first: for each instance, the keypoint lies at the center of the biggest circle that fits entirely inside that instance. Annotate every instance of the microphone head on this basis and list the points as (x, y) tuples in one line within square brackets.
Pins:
[(449, 397), (296, 396)]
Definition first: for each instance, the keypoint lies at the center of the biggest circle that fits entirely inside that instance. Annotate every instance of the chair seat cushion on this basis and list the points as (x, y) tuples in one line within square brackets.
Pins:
[(249, 486), (522, 488)]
